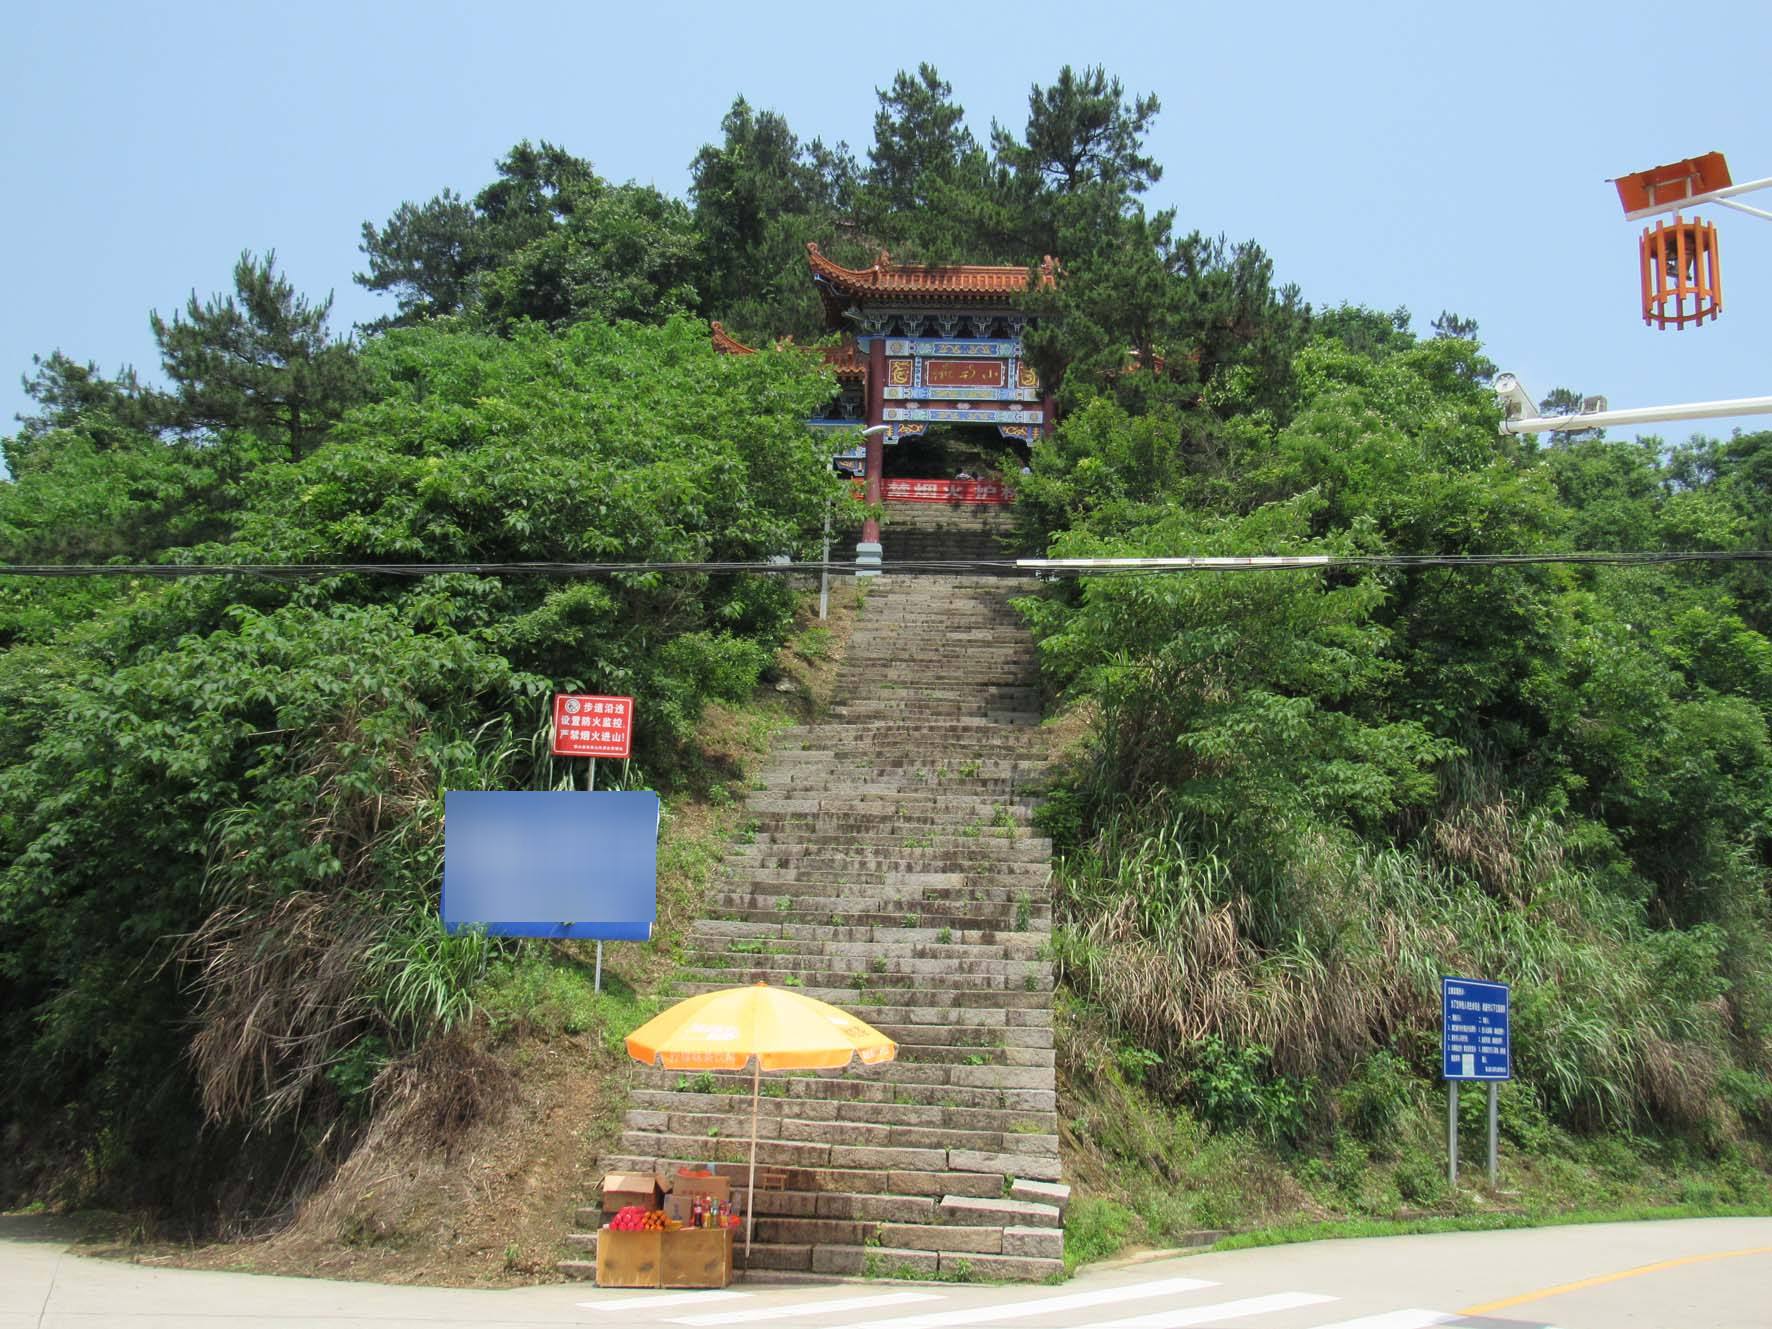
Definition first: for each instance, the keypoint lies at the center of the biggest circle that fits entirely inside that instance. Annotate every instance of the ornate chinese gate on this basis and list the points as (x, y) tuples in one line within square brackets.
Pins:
[(926, 345)]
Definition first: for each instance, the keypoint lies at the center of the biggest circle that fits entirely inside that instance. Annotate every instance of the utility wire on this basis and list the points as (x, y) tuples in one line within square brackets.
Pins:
[(998, 567)]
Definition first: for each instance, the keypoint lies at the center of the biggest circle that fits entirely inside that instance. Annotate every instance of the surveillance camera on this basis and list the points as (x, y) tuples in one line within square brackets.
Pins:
[(1516, 402)]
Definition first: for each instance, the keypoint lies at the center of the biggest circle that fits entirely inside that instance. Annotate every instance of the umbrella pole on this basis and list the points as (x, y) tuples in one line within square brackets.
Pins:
[(750, 1190)]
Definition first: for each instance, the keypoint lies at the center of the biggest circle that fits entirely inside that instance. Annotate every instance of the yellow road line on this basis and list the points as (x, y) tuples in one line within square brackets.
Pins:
[(1599, 1279)]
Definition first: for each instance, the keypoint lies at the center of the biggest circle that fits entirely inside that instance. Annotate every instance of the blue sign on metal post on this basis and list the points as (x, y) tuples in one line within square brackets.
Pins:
[(554, 864), (1474, 1037)]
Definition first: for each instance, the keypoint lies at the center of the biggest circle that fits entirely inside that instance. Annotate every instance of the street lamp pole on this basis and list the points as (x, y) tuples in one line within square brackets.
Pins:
[(824, 569), (867, 553)]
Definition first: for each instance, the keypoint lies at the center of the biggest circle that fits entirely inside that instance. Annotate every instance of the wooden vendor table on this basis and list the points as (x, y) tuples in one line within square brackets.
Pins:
[(690, 1257)]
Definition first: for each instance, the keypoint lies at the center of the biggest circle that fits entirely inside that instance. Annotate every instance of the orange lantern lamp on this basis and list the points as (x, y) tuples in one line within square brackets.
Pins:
[(1680, 261), (1682, 273)]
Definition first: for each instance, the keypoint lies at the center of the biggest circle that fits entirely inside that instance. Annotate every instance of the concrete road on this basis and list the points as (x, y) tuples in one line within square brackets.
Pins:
[(1697, 1274)]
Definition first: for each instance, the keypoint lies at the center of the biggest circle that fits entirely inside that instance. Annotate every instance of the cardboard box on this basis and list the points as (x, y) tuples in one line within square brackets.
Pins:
[(690, 1258), (696, 1258), (621, 1189), (680, 1203), (629, 1259)]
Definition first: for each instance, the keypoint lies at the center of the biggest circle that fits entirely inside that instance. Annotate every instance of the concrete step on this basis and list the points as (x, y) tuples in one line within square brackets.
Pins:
[(974, 1210), (899, 1092), (708, 949), (920, 919), (876, 970), (928, 1116), (778, 1125), (876, 967), (935, 1006), (1011, 840), (901, 875), (956, 810), (825, 933)]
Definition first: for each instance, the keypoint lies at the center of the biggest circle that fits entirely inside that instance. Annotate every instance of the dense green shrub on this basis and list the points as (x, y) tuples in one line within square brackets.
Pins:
[(220, 801), (1309, 794)]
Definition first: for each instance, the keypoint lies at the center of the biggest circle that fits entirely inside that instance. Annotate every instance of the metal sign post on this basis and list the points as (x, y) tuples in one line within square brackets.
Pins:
[(1452, 1133), (591, 726), (1494, 1169), (1476, 1043)]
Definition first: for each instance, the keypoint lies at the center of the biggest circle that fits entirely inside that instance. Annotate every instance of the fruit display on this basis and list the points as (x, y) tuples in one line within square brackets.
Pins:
[(633, 1218)]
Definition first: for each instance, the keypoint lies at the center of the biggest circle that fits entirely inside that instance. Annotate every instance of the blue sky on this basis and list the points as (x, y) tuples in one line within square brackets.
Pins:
[(1423, 154)]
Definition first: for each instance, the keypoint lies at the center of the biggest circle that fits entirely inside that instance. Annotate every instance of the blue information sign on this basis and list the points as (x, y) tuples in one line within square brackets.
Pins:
[(1474, 1039), (551, 864)]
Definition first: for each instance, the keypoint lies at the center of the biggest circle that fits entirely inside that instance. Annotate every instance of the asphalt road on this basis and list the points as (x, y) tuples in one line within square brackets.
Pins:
[(1695, 1274)]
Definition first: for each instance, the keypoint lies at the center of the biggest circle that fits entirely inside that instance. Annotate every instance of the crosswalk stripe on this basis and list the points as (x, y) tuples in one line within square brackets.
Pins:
[(650, 1301), (1224, 1310), (1023, 1310), (809, 1308), (1409, 1319)]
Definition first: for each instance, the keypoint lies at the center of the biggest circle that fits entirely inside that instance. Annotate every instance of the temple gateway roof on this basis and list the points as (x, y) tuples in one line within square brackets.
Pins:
[(974, 285)]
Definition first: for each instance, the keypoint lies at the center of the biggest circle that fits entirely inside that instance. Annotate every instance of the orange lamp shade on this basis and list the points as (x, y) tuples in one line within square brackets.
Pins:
[(1682, 270), (1661, 186)]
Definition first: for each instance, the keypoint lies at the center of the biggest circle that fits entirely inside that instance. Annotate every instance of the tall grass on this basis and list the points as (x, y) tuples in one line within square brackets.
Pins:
[(1324, 949)]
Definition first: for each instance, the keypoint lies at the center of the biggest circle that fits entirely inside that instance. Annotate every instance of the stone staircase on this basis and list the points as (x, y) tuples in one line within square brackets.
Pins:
[(889, 868), (941, 532)]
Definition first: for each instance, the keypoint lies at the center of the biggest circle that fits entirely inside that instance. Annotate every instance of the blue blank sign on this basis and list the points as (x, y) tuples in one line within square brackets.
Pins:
[(556, 864), (1475, 1041)]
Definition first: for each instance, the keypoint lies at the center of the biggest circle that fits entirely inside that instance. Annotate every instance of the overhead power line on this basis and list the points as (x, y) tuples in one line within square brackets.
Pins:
[(1086, 567)]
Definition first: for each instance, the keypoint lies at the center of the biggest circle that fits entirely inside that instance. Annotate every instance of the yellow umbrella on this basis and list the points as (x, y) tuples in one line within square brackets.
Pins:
[(765, 1028)]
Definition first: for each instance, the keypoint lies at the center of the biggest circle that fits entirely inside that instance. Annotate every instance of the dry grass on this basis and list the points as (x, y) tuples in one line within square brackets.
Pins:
[(283, 981), (1169, 943), (280, 991)]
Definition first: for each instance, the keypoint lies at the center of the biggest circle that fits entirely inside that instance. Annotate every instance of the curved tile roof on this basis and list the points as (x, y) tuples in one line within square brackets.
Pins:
[(924, 283), (846, 359)]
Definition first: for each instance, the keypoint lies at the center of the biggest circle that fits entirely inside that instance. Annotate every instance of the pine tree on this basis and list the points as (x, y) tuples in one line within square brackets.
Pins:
[(427, 255), (260, 359)]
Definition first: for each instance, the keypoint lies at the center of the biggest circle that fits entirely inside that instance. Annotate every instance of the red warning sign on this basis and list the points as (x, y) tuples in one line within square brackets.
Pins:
[(586, 726)]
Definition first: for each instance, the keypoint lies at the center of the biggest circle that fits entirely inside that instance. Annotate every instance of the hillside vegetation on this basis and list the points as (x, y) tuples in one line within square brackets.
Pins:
[(1298, 798)]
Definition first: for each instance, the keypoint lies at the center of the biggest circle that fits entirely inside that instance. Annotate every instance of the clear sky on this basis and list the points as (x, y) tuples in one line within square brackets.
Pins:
[(1426, 154)]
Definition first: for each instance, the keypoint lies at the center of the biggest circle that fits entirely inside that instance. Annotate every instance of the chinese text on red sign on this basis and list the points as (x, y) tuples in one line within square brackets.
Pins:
[(590, 726)]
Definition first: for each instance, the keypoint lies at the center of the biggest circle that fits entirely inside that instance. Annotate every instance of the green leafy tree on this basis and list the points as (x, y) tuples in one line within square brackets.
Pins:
[(259, 359), (1449, 324), (621, 252), (1566, 401), (277, 786), (920, 139), (547, 240)]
